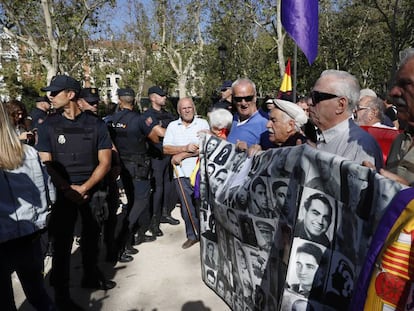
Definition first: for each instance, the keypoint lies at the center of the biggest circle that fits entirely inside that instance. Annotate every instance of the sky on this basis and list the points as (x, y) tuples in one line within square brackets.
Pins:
[(119, 12)]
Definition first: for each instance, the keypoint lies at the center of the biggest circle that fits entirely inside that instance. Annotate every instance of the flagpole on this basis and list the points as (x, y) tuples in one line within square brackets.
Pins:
[(295, 62)]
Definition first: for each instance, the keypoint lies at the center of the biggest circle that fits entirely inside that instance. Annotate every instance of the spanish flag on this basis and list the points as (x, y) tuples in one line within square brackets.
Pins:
[(386, 279), (285, 91)]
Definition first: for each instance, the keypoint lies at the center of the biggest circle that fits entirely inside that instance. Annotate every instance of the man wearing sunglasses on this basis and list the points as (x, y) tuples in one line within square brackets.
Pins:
[(89, 99), (76, 149), (249, 126), (334, 98)]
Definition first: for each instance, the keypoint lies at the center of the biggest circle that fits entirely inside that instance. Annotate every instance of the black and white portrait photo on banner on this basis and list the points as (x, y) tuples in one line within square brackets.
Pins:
[(291, 226)]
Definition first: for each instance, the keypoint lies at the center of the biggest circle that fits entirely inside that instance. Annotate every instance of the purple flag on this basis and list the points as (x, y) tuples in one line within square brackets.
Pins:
[(300, 20)]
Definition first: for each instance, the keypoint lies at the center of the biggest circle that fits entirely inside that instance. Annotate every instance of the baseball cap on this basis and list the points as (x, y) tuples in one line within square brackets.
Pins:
[(126, 92), (90, 94), (226, 84), (62, 82), (156, 90), (42, 99)]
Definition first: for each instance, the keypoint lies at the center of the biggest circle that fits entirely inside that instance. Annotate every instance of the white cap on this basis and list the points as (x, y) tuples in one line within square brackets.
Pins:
[(292, 110)]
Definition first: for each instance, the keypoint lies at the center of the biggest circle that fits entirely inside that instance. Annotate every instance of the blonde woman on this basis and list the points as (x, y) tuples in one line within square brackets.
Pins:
[(26, 195)]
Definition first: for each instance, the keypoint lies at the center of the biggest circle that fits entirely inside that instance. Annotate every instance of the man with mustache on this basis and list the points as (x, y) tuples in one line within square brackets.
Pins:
[(401, 156)]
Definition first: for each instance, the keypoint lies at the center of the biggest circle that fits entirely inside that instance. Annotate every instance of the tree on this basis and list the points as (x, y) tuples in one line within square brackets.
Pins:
[(180, 38), (397, 16), (51, 29), (246, 28), (356, 37)]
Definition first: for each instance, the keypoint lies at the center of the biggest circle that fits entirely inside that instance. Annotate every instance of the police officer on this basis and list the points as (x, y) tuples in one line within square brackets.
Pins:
[(89, 102), (76, 149), (129, 132), (164, 196), (225, 101), (89, 99), (40, 111)]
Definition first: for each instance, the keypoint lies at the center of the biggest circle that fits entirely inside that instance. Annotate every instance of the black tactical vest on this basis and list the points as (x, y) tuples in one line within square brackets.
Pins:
[(131, 144), (75, 146)]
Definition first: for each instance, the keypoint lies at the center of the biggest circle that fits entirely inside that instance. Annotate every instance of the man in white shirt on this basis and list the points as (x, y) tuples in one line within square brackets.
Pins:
[(182, 142)]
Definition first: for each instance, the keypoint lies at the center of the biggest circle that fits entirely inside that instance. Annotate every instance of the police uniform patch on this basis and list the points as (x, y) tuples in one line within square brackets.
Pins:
[(148, 121), (61, 139)]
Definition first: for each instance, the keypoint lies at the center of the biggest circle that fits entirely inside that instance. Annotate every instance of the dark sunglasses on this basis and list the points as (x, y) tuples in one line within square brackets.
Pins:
[(55, 93), (317, 97), (93, 103), (239, 99)]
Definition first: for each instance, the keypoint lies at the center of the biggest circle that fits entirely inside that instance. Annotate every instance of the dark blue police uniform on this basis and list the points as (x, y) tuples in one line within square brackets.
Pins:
[(164, 195), (129, 131), (74, 145), (38, 117)]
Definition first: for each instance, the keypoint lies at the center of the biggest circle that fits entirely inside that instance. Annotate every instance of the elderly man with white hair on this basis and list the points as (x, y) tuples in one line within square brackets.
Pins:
[(368, 98), (334, 99), (285, 122), (284, 125)]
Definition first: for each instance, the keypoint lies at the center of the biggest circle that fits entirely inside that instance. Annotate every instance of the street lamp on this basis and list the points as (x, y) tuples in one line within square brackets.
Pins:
[(222, 49)]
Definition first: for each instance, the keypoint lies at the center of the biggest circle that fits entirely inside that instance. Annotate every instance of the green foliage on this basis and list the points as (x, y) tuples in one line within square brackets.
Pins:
[(11, 78), (362, 37)]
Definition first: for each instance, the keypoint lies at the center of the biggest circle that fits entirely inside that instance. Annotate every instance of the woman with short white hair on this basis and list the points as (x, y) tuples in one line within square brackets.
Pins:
[(220, 122)]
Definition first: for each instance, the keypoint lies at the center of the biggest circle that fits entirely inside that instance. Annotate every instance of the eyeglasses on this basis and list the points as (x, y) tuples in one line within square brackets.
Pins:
[(239, 99), (317, 97), (359, 108)]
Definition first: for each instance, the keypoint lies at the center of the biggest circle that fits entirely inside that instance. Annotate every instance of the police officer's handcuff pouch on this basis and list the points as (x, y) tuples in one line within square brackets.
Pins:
[(143, 171)]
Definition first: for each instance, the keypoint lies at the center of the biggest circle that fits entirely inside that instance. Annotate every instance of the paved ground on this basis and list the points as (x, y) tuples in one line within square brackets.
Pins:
[(162, 277)]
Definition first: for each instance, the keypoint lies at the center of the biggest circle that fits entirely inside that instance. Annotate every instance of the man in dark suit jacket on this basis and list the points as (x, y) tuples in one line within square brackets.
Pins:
[(209, 259)]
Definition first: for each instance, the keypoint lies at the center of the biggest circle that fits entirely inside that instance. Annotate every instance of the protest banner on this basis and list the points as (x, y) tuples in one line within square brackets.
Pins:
[(288, 228)]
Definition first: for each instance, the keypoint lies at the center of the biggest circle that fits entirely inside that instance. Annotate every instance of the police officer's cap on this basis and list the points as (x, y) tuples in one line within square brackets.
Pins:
[(126, 92), (90, 94), (264, 226), (42, 99), (156, 90), (62, 82), (226, 85)]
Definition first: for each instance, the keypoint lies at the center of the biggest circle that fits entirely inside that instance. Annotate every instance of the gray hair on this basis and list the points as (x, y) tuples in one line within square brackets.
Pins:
[(377, 104), (405, 56), (286, 118), (186, 98), (346, 85), (367, 92), (244, 80), (220, 118)]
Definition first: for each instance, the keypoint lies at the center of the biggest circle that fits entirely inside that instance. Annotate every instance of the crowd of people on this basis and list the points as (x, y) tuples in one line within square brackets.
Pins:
[(152, 155)]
